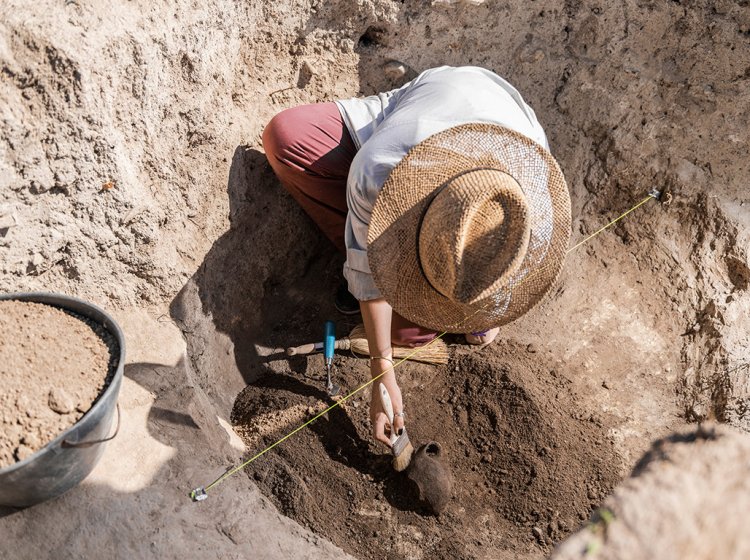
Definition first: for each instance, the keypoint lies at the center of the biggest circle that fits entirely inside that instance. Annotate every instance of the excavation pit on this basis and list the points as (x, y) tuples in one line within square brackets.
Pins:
[(529, 461), (134, 177)]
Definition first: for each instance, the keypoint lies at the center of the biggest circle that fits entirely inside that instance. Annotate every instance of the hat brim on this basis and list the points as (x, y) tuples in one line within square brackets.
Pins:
[(392, 241)]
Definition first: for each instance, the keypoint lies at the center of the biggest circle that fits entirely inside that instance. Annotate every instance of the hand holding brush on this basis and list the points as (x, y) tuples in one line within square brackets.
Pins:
[(398, 439)]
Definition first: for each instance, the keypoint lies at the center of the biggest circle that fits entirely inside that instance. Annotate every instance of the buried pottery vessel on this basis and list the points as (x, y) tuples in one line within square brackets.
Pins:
[(431, 476)]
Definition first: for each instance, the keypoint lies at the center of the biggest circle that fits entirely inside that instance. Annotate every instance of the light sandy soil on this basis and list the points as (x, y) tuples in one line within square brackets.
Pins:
[(697, 487), (53, 366), (131, 174)]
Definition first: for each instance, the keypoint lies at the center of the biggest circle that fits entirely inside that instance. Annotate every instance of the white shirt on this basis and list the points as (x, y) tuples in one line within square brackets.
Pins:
[(386, 126)]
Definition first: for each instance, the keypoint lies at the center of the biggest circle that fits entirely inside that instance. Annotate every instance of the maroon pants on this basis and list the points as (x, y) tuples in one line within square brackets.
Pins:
[(310, 150)]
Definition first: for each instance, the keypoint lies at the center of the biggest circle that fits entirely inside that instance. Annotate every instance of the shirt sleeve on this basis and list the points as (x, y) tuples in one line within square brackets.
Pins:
[(357, 266)]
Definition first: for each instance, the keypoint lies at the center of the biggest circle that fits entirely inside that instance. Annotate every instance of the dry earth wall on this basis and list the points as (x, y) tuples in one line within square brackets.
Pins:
[(675, 503)]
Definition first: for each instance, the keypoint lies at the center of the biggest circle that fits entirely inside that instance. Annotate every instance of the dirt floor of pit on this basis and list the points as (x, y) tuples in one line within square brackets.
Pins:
[(529, 461)]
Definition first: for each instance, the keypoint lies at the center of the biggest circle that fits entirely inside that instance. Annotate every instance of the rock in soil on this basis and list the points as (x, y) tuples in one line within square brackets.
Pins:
[(53, 366), (60, 401)]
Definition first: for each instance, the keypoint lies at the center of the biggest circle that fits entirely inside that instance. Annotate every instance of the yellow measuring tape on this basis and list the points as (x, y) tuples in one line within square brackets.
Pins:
[(201, 493)]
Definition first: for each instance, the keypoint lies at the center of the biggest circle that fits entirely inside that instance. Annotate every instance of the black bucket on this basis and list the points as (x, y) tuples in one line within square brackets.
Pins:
[(70, 457)]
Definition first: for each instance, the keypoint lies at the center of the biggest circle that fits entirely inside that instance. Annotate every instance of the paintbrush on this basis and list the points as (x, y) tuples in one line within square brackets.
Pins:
[(401, 447)]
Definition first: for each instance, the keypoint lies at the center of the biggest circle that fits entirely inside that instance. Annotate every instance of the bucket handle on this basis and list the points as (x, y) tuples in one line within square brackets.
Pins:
[(67, 443)]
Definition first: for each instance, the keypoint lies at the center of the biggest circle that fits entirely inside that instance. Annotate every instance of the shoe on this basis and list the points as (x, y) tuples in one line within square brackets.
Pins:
[(482, 338), (345, 302)]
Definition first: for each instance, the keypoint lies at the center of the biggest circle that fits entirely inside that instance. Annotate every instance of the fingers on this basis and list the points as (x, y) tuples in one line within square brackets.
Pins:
[(398, 424), (381, 426), (378, 429)]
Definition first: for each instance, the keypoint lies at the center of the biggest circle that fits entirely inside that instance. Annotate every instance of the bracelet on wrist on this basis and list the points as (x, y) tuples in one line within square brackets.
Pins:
[(381, 358)]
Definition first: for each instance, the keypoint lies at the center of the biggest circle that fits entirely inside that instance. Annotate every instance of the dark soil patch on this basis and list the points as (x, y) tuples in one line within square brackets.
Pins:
[(528, 464), (53, 367)]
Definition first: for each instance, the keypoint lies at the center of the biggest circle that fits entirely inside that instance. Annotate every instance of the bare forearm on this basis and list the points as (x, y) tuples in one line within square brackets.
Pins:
[(376, 315)]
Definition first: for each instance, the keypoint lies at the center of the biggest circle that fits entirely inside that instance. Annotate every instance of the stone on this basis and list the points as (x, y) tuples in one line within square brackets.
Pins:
[(23, 452), (60, 402), (394, 69), (7, 220), (538, 535)]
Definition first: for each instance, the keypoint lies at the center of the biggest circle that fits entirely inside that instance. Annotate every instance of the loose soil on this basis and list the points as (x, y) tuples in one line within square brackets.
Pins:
[(53, 366), (528, 464)]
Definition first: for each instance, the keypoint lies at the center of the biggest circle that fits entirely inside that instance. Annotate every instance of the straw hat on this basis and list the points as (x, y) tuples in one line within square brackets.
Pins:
[(470, 229)]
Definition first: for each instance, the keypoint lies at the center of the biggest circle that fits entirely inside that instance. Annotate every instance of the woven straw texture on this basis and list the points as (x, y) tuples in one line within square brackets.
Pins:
[(399, 213)]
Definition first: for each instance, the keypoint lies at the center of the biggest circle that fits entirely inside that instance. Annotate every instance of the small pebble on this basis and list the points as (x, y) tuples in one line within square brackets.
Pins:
[(394, 69), (23, 452), (308, 68), (537, 532), (59, 401), (531, 348), (538, 55), (31, 440)]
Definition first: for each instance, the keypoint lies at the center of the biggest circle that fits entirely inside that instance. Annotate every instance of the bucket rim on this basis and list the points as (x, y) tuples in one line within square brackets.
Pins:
[(60, 300)]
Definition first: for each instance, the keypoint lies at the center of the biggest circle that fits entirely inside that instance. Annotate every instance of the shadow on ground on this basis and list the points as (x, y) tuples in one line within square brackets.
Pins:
[(268, 280), (265, 284)]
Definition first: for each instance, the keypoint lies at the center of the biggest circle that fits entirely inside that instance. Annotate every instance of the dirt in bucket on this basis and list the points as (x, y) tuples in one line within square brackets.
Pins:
[(53, 366), (528, 464)]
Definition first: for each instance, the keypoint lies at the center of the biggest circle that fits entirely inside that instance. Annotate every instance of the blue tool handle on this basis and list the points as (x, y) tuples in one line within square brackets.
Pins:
[(329, 340)]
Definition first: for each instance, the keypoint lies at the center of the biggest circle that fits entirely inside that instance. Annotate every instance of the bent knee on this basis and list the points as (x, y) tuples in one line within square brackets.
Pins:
[(277, 136)]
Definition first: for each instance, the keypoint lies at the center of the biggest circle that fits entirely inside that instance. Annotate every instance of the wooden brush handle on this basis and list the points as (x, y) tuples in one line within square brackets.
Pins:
[(304, 349), (343, 344), (385, 399)]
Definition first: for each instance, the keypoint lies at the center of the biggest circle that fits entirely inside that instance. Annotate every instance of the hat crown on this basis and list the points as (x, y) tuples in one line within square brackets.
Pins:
[(474, 234)]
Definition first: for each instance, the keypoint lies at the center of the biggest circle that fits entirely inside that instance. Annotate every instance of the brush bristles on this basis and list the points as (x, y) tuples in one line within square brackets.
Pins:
[(402, 456), (436, 352)]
